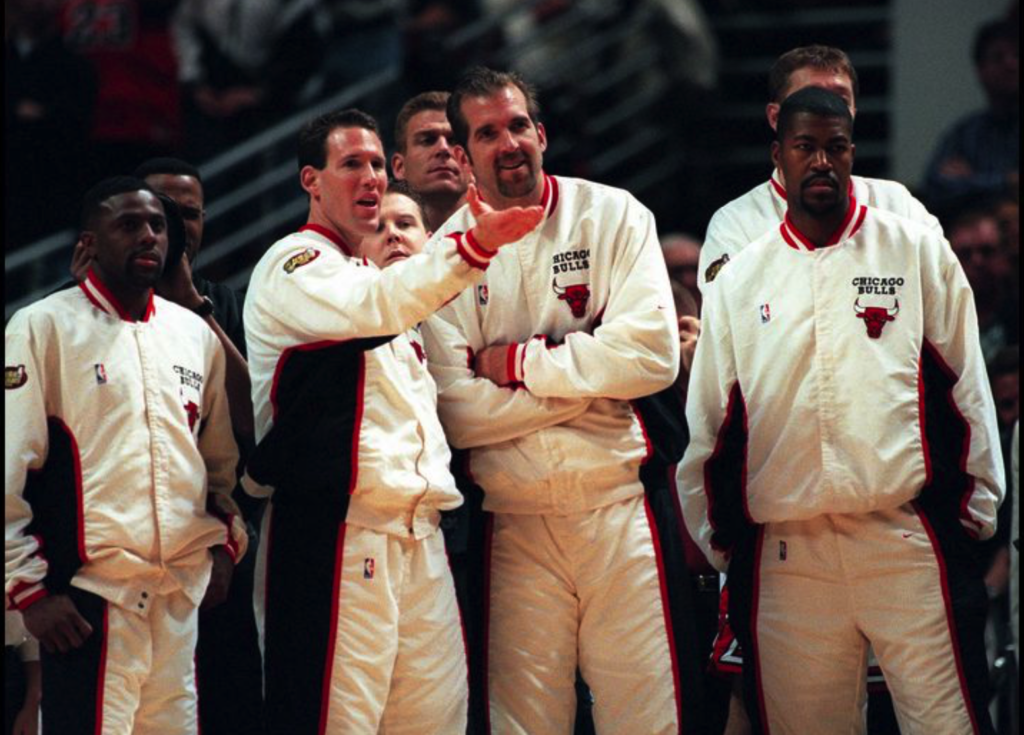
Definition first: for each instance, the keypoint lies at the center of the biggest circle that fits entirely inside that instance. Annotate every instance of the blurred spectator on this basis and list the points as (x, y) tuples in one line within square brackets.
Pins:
[(981, 153), (49, 95), (1008, 213), (682, 254), (429, 63), (683, 35), (243, 64), (366, 38), (138, 110), (1014, 548), (974, 233), (1005, 375)]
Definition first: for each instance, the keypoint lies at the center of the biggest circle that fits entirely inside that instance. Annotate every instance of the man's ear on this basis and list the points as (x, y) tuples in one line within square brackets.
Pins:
[(461, 156), (772, 111), (398, 166), (309, 178), (542, 134)]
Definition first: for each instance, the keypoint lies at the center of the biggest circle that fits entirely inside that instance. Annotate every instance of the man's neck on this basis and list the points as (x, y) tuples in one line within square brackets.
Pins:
[(348, 240), (134, 300), (780, 178), (819, 230), (440, 207)]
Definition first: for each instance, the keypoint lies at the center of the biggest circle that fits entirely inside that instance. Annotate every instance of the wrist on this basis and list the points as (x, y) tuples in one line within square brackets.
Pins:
[(472, 251), (203, 307), (514, 359)]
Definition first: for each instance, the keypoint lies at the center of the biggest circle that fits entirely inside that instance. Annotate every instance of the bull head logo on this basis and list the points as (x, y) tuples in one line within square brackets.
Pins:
[(876, 317), (576, 296)]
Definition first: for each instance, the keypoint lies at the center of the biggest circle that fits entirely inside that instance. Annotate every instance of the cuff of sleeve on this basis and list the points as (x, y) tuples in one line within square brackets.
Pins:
[(515, 364), (230, 545), (26, 594), (472, 252)]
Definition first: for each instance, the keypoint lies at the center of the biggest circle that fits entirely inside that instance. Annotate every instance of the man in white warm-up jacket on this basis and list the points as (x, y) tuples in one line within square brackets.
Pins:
[(537, 366), (844, 454)]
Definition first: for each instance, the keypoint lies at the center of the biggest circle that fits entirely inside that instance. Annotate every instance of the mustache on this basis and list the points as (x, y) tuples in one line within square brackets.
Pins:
[(829, 179)]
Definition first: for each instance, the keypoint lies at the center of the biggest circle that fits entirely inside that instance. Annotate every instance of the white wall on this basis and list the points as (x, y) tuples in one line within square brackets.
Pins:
[(934, 81)]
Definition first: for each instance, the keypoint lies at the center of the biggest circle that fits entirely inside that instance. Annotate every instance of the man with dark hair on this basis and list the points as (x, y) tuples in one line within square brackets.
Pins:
[(844, 445), (571, 324), (427, 157), (218, 305), (981, 153), (229, 677), (350, 446), (743, 220), (119, 468)]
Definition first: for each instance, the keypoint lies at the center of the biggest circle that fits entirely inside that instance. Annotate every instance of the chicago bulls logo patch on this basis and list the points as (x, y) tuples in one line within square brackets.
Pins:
[(15, 377), (306, 257), (876, 317), (576, 297)]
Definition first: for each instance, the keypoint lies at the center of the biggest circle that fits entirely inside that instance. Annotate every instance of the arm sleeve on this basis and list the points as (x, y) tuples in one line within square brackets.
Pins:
[(722, 240), (334, 299), (220, 453), (710, 405), (476, 412), (943, 188), (25, 449), (188, 45), (951, 329), (635, 351)]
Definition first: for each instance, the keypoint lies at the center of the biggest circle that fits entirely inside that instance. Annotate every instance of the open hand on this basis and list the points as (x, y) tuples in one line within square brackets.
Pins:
[(495, 228)]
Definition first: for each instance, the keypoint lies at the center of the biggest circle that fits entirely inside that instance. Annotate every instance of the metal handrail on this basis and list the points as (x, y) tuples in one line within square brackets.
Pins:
[(275, 210)]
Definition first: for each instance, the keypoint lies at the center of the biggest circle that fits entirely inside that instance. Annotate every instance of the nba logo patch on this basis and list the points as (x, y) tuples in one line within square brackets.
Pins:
[(483, 294), (766, 313), (101, 374), (369, 568), (783, 551)]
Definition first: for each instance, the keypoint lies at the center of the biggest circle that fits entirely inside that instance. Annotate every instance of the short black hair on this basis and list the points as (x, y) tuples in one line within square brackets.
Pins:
[(483, 82), (814, 101), (92, 202), (396, 186), (990, 33), (167, 166), (312, 149)]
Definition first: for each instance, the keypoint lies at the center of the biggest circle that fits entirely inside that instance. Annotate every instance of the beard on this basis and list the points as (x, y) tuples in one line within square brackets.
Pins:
[(522, 184), (820, 205)]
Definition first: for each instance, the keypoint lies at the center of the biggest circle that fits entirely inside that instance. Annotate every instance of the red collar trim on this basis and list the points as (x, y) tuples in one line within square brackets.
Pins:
[(331, 235), (855, 215), (104, 300), (550, 196)]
